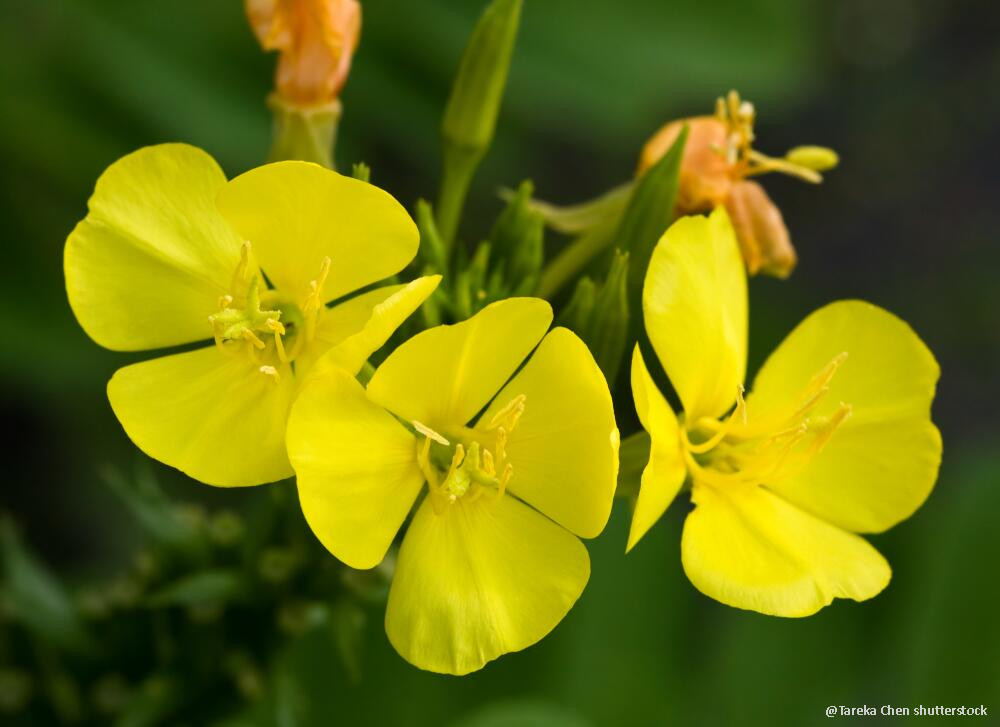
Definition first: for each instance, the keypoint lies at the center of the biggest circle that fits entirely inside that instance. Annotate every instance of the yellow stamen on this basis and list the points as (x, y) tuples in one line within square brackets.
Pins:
[(251, 338), (429, 433), (279, 331)]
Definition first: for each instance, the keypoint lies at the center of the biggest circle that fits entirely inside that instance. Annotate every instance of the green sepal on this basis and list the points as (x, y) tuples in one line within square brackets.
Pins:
[(607, 335), (432, 248), (517, 238), (576, 314), (649, 213)]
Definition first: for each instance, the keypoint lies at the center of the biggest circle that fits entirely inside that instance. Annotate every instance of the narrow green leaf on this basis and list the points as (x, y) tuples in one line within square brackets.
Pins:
[(34, 596), (649, 213), (210, 586)]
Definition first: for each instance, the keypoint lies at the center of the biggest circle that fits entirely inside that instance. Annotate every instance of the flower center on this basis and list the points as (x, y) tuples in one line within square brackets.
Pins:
[(474, 465), (271, 327), (777, 446)]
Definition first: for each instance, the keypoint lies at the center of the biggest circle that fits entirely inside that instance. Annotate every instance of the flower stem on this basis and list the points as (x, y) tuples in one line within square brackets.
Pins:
[(459, 166), (574, 258)]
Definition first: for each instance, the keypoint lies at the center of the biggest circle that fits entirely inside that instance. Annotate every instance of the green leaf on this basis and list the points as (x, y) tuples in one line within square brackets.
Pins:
[(649, 213), (207, 587), (348, 624), (607, 330), (576, 314), (579, 218), (523, 713), (156, 515), (34, 596)]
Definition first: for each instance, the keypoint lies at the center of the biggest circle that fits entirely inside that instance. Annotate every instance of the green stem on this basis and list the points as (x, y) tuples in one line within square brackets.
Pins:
[(567, 264), (459, 166), (304, 133)]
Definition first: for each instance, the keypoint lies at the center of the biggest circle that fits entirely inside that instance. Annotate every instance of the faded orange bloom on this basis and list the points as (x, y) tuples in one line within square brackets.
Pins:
[(316, 40), (718, 157), (760, 230), (706, 176)]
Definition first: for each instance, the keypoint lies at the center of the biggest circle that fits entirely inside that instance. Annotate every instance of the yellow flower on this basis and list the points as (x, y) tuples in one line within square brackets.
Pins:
[(718, 158), (491, 561), (834, 439), (168, 254), (315, 38)]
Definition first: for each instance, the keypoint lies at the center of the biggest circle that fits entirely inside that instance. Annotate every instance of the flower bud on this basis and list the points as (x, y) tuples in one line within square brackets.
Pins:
[(760, 230), (315, 40), (706, 175)]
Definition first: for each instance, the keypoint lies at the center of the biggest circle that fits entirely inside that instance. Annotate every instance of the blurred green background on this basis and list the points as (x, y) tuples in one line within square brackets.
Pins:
[(905, 90)]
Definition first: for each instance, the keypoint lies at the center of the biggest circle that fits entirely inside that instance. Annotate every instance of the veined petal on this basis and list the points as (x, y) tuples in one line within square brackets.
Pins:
[(695, 305), (564, 448), (443, 376), (148, 264), (483, 579), (663, 476), (748, 548), (356, 467), (211, 414), (380, 322), (882, 461), (295, 214)]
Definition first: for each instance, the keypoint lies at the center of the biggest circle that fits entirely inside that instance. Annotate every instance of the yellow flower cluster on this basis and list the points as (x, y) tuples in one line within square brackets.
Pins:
[(495, 438)]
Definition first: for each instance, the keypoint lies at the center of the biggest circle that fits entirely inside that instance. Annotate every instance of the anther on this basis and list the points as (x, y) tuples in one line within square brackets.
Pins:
[(429, 433), (826, 432), (251, 337), (270, 371)]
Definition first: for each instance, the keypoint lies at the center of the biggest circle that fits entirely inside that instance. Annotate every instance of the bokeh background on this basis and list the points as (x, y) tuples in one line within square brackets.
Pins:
[(905, 90)]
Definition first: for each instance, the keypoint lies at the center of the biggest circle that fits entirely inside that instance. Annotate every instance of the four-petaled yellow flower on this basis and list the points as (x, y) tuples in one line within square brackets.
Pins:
[(168, 254), (834, 439), (491, 561)]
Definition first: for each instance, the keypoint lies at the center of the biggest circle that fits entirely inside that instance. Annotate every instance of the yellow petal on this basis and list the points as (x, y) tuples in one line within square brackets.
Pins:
[(383, 315), (209, 413), (564, 448), (148, 264), (748, 548), (882, 462), (356, 467), (663, 476), (295, 214), (480, 580), (695, 307), (443, 376)]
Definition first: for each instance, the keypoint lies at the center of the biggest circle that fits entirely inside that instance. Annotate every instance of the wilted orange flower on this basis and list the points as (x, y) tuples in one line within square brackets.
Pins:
[(718, 157), (315, 39)]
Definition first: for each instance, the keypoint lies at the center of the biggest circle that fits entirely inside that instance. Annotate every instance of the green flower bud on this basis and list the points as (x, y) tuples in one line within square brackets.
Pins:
[(470, 116)]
